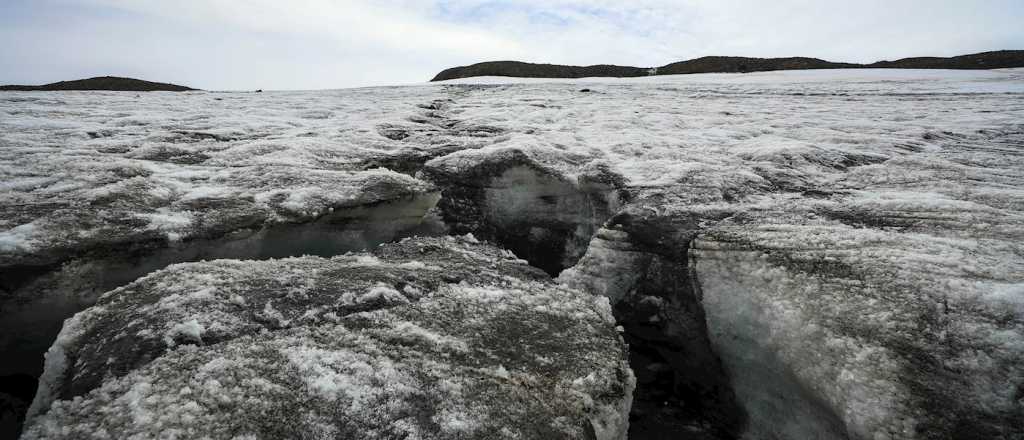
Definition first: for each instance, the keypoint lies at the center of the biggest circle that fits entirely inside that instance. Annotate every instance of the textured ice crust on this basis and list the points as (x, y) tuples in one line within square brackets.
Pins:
[(854, 238), (97, 189), (856, 246), (428, 338), (37, 304)]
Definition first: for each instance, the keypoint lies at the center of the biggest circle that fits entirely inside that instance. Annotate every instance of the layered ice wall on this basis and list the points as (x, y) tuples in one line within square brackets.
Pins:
[(73, 252)]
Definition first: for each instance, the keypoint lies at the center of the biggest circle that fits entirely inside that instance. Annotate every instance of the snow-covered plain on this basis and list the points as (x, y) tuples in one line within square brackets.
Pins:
[(854, 240)]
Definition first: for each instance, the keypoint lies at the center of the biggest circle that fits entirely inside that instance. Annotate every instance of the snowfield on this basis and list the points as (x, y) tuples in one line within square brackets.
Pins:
[(804, 254)]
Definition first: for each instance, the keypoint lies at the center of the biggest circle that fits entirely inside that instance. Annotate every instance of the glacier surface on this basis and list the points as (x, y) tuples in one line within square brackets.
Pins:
[(826, 254)]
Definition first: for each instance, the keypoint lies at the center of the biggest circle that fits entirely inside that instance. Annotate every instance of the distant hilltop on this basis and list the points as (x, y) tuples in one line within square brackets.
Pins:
[(104, 83), (985, 60)]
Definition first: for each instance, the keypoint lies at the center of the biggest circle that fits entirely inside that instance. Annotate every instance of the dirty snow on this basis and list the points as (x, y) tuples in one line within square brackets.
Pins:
[(456, 361), (873, 218)]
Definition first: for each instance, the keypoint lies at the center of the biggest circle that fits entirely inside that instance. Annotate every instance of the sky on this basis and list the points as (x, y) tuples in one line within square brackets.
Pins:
[(323, 44)]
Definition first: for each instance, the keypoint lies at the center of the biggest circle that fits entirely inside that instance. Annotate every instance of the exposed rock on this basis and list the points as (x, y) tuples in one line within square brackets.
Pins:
[(718, 64), (375, 345), (1000, 59), (532, 70), (103, 83)]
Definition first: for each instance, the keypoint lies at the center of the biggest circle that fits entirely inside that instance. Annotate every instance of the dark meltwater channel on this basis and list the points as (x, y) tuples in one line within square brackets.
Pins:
[(683, 390)]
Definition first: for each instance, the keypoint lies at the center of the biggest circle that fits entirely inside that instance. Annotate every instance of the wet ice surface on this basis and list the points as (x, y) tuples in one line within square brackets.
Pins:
[(877, 214)]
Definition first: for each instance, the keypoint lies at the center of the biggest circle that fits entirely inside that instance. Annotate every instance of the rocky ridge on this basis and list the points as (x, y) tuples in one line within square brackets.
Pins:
[(719, 64), (111, 83)]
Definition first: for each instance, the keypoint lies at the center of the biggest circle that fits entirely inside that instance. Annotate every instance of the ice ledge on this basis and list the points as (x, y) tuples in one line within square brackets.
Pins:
[(437, 338)]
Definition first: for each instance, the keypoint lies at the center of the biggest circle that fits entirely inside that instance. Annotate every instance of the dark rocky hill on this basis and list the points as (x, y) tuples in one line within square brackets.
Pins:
[(104, 83), (531, 70), (743, 64), (985, 60)]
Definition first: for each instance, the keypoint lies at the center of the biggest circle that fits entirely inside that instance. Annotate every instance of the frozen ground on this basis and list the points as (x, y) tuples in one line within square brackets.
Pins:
[(845, 247)]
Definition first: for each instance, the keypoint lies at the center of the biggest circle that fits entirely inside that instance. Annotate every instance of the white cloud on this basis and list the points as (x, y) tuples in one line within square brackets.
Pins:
[(244, 44), (375, 24)]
